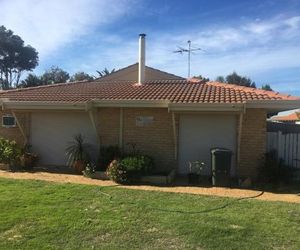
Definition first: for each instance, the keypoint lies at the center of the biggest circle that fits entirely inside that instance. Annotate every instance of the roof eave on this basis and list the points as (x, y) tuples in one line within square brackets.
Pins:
[(34, 105), (194, 107), (131, 103)]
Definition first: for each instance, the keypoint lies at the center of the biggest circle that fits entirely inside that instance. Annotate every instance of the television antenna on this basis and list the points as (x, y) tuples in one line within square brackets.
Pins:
[(188, 50)]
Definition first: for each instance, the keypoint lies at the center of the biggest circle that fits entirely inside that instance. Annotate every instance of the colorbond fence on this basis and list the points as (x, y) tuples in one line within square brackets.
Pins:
[(285, 139)]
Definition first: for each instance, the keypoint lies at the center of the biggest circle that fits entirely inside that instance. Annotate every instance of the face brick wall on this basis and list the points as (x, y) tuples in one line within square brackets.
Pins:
[(108, 126), (155, 139), (253, 141), (14, 133)]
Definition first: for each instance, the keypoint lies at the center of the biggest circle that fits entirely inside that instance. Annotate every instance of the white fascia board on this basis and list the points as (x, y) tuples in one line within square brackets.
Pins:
[(182, 107), (274, 105), (131, 103), (20, 105)]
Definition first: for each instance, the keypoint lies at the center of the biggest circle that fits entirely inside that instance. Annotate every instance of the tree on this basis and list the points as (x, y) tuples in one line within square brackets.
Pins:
[(266, 87), (81, 76), (234, 78), (15, 58), (202, 78), (31, 80), (55, 75), (220, 79), (105, 72)]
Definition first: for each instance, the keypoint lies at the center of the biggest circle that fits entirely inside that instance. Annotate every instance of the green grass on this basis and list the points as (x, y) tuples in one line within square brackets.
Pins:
[(43, 215)]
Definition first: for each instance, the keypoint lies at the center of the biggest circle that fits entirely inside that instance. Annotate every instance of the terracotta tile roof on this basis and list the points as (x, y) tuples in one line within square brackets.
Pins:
[(291, 117), (175, 91)]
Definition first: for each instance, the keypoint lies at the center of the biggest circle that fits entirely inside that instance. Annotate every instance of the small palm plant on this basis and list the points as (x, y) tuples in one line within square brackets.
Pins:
[(78, 153)]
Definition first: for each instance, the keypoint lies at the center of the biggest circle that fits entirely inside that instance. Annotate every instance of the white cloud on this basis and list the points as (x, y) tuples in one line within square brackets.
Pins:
[(293, 22), (50, 25), (250, 49)]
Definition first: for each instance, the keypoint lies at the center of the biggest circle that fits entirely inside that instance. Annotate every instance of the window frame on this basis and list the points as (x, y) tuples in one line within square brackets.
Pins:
[(9, 116)]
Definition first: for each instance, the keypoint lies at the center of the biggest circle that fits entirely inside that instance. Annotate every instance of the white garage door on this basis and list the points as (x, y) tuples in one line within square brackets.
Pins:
[(198, 134), (52, 131)]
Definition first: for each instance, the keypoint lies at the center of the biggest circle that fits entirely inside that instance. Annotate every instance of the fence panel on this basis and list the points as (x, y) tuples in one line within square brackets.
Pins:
[(287, 146)]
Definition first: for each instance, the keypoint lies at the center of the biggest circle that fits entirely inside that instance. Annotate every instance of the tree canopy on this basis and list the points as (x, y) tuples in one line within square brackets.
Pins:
[(236, 79), (202, 78), (266, 87), (15, 58), (81, 76), (105, 72), (31, 80), (220, 79), (55, 75)]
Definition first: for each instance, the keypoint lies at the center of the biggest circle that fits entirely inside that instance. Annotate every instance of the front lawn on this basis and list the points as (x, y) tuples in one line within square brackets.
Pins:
[(43, 215)]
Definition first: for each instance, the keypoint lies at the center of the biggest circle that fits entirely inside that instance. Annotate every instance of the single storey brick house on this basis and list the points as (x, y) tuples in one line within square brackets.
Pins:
[(172, 119)]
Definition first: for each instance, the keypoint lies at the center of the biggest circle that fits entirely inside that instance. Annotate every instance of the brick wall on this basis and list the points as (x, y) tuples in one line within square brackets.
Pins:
[(155, 139), (14, 133), (253, 141), (108, 126)]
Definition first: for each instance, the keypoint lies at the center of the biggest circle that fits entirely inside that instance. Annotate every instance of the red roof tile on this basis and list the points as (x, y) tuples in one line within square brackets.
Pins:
[(175, 91), (291, 117)]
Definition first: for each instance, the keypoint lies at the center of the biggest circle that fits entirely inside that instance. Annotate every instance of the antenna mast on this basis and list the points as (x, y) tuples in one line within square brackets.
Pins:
[(188, 51)]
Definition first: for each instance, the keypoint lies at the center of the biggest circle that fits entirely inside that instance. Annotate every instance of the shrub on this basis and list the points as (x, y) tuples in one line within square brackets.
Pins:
[(89, 170), (139, 163), (28, 160), (129, 169), (10, 152), (117, 172), (107, 155), (78, 150)]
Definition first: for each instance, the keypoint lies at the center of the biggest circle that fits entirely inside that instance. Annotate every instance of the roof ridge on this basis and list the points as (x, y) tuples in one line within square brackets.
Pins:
[(245, 88)]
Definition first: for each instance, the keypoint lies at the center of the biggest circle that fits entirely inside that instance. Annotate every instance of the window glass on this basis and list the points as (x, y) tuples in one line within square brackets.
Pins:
[(8, 121)]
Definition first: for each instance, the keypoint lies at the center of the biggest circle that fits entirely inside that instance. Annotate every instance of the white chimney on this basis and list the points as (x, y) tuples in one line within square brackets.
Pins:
[(142, 54)]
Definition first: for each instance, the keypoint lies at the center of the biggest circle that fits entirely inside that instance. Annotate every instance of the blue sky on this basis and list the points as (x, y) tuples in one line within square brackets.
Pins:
[(259, 39)]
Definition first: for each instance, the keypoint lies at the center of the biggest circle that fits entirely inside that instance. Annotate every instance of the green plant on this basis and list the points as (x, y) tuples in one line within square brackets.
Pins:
[(117, 172), (28, 159), (78, 153), (9, 152), (138, 163), (129, 169), (107, 154), (89, 170)]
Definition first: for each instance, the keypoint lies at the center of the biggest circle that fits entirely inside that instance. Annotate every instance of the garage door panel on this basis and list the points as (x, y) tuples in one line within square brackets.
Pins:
[(198, 134), (51, 133)]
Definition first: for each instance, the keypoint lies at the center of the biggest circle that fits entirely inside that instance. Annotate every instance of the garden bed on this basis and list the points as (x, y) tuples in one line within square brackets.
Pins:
[(4, 166), (160, 178)]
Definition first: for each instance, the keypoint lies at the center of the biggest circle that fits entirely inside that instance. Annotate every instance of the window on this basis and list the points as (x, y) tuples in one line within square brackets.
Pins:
[(8, 121)]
